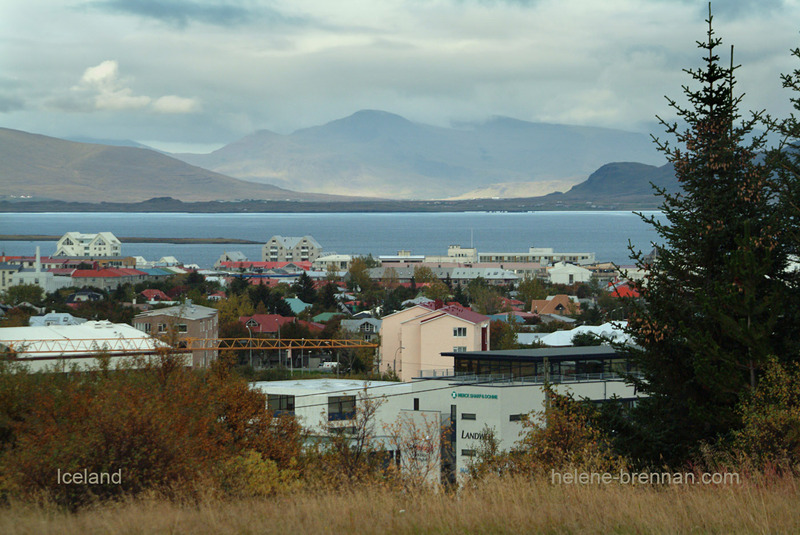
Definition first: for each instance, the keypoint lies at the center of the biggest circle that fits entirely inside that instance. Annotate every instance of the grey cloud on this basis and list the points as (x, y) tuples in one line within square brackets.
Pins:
[(181, 13), (9, 104)]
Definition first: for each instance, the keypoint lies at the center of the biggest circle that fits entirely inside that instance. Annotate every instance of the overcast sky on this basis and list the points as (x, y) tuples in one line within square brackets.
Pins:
[(195, 75)]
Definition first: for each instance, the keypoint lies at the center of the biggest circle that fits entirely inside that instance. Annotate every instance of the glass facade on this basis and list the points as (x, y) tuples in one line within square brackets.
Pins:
[(520, 368)]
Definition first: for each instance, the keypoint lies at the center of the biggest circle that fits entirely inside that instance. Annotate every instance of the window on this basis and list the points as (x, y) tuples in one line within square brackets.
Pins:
[(181, 327), (468, 453), (416, 404), (280, 404), (515, 418), (459, 331), (341, 408), (144, 327), (162, 327), (460, 349), (468, 416)]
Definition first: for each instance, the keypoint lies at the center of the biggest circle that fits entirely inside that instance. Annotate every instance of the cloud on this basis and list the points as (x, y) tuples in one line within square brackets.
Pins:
[(109, 92), (174, 104), (10, 103), (181, 13)]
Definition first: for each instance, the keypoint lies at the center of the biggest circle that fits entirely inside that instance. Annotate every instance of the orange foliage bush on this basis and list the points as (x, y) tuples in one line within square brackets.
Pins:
[(161, 426)]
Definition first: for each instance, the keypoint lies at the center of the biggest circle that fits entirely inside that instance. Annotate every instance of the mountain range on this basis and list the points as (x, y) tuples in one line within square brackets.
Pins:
[(380, 154), (50, 168), (370, 156)]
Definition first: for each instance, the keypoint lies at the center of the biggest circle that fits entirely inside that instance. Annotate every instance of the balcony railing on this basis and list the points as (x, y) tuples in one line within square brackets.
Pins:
[(461, 377)]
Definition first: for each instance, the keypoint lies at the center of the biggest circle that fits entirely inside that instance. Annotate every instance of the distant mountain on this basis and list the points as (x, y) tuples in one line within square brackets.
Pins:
[(624, 183), (376, 153), (50, 168)]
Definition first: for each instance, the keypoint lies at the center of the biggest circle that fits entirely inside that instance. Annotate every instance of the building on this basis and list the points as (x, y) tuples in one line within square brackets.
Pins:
[(61, 347), (48, 281), (332, 262), (7, 271), (414, 339), (560, 304), (183, 321), (55, 318), (230, 256), (291, 249), (368, 328), (540, 255), (488, 391), (107, 278), (77, 244), (563, 273)]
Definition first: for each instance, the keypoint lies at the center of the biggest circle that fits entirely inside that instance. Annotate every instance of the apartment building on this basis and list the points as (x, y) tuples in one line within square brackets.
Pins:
[(78, 244), (291, 249), (182, 321), (414, 339)]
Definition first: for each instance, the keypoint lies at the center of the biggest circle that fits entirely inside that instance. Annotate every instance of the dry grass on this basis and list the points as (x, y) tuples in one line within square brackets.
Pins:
[(494, 506)]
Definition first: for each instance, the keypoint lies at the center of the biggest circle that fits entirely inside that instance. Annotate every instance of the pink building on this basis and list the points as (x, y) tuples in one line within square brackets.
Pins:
[(413, 339)]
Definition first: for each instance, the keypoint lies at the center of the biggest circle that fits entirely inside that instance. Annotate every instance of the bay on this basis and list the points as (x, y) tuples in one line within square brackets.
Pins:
[(605, 233)]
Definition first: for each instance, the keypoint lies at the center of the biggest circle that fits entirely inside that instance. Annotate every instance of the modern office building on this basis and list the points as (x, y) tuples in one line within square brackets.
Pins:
[(487, 392)]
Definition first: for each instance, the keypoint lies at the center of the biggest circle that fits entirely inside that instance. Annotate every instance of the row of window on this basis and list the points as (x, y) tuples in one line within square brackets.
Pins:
[(162, 327), (339, 407)]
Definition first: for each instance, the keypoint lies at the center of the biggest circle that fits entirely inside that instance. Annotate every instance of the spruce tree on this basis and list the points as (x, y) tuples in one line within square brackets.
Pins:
[(715, 290)]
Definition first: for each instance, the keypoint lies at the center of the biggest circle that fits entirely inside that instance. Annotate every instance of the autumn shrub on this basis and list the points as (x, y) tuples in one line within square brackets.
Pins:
[(770, 434), (158, 424)]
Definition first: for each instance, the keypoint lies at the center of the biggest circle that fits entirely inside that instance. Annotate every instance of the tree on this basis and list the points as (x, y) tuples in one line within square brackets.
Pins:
[(304, 288), (22, 293), (715, 292), (530, 289), (423, 274)]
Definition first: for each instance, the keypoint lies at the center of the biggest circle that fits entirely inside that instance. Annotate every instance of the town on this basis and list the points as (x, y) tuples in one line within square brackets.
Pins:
[(440, 334)]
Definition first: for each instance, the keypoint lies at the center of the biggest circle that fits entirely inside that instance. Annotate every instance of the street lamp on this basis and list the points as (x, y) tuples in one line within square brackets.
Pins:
[(394, 364)]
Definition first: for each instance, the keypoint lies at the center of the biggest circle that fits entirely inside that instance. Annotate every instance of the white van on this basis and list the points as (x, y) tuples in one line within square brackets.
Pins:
[(329, 366)]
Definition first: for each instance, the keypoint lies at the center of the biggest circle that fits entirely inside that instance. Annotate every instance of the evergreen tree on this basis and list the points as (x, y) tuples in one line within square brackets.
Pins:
[(304, 288), (715, 292)]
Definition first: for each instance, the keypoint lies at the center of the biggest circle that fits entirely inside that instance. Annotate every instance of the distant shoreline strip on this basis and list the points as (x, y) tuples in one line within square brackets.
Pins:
[(128, 239)]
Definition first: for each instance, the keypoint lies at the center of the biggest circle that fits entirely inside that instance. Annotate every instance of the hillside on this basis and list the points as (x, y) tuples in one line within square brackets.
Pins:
[(50, 168), (376, 153)]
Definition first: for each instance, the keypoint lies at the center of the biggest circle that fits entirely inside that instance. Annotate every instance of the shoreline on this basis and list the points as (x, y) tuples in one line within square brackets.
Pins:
[(129, 239)]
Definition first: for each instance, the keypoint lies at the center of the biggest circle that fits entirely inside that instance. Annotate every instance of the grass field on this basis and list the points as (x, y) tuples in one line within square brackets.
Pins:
[(494, 506)]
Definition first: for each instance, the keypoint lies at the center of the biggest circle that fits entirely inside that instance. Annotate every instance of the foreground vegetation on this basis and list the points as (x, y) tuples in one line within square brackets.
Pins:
[(513, 505)]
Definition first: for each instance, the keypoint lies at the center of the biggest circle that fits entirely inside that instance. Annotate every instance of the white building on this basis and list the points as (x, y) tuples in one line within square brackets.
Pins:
[(464, 406), (291, 249), (77, 244), (338, 262), (60, 347), (563, 273), (47, 281)]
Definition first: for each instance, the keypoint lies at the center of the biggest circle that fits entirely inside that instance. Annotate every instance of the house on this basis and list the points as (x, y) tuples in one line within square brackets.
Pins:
[(336, 262), (77, 244), (296, 304), (560, 304), (413, 339), (563, 273), (230, 256), (55, 318), (290, 249), (369, 328), (82, 296), (154, 295), (183, 321), (108, 278)]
